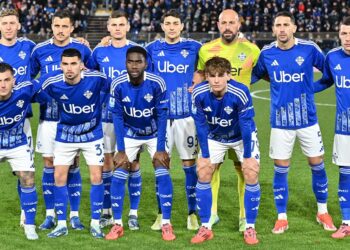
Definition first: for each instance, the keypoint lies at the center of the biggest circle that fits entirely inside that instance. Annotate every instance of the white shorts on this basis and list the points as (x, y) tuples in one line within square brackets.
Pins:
[(282, 142), (45, 140), (182, 133), (20, 158), (218, 150), (108, 137), (28, 131), (133, 147), (341, 153), (65, 153)]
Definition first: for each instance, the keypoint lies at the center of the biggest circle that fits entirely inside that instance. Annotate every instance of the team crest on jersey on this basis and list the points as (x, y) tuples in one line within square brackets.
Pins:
[(20, 103), (88, 94), (184, 53), (228, 110), (242, 56), (22, 54), (148, 97), (299, 60)]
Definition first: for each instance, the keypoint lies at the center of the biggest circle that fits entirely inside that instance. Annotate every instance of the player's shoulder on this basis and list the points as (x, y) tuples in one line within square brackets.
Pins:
[(93, 74), (211, 43), (132, 43), (335, 51), (244, 42), (155, 43), (42, 45), (118, 81), (22, 85), (51, 78), (307, 43), (156, 80), (25, 40), (238, 90), (190, 42), (201, 89), (269, 47)]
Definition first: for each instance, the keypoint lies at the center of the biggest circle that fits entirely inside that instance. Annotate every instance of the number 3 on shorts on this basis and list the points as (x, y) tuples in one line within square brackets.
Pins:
[(99, 148)]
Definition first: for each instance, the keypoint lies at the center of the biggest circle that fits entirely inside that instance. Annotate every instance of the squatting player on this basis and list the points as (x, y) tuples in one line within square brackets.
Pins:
[(336, 70), (46, 58), (77, 94), (223, 113), (110, 59), (139, 105), (174, 59), (242, 55), (289, 62)]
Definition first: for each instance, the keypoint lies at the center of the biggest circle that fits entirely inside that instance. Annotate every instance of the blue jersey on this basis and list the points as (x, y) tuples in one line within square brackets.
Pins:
[(79, 106), (111, 61), (291, 82), (18, 56), (139, 112), (46, 58), (336, 70), (176, 63), (226, 120), (12, 115)]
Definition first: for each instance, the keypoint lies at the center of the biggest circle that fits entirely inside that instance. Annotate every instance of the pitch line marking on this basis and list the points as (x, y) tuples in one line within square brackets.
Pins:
[(256, 92)]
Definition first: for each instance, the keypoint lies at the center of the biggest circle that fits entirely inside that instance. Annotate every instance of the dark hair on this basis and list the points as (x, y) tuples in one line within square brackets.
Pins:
[(6, 67), (71, 53), (218, 65), (285, 14), (345, 21), (171, 12), (137, 49), (119, 13), (64, 14)]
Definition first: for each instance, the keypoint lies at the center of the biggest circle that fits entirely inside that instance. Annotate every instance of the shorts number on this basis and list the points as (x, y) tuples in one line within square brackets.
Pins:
[(254, 144), (192, 141), (98, 149)]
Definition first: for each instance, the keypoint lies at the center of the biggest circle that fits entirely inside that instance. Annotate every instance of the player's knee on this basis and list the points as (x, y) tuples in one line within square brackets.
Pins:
[(188, 163), (135, 165), (48, 161), (108, 162), (95, 178), (26, 179), (251, 175), (60, 178), (315, 160)]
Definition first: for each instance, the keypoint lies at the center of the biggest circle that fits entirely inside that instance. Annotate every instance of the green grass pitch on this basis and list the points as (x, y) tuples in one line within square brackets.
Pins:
[(304, 232)]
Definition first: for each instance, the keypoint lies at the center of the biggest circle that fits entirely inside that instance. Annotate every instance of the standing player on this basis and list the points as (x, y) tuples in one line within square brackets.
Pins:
[(139, 105), (289, 62), (110, 60), (14, 102), (77, 94), (174, 59), (16, 52), (46, 58), (336, 71), (223, 113), (242, 55)]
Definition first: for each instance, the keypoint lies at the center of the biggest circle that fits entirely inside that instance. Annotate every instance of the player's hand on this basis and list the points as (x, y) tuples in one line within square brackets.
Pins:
[(105, 41), (198, 77), (250, 164), (121, 159), (83, 41), (204, 163), (162, 158)]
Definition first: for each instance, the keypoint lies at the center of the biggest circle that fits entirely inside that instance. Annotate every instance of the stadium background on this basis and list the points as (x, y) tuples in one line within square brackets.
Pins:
[(316, 20)]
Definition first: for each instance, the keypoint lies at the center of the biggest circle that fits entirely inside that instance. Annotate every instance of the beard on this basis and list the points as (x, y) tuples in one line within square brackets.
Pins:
[(228, 36)]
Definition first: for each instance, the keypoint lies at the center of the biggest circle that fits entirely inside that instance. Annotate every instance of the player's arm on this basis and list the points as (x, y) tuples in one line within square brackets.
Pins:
[(161, 156), (34, 65), (327, 78), (115, 106), (259, 70), (201, 125)]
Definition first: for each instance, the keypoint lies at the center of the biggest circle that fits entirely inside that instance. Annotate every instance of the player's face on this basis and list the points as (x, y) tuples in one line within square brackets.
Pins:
[(218, 82), (118, 27), (172, 28), (228, 25), (71, 67), (284, 29), (7, 82), (344, 35), (135, 65), (62, 29), (9, 26)]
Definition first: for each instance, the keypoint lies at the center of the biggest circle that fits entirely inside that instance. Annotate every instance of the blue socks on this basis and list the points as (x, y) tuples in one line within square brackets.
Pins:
[(165, 189), (29, 201), (61, 201), (190, 186), (251, 202), (96, 199), (344, 191), (204, 200), (107, 179), (135, 187), (118, 192), (280, 188), (48, 183), (74, 188), (319, 182)]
